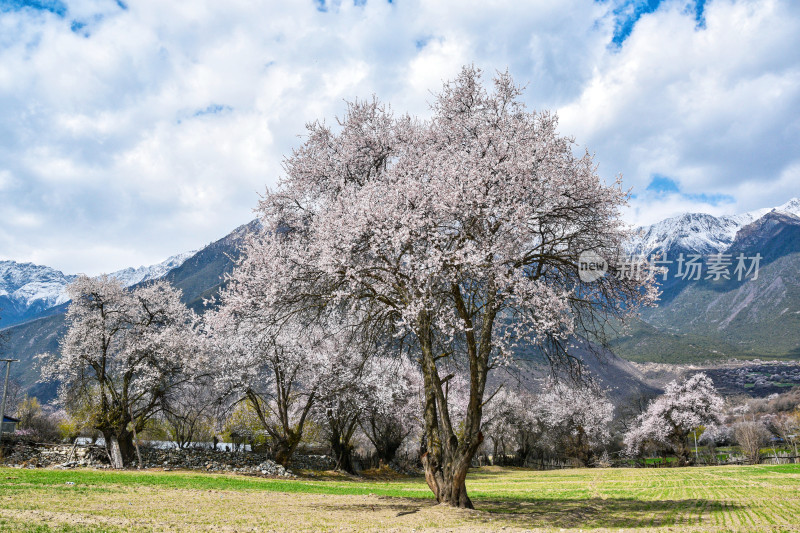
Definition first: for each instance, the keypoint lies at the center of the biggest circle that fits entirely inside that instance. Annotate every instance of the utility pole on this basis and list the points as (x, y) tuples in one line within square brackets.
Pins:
[(5, 391)]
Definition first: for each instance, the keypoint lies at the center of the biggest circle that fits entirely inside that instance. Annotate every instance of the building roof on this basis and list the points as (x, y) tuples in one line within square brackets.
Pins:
[(7, 418)]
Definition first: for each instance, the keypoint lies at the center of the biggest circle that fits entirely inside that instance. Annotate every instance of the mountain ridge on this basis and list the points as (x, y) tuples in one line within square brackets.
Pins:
[(29, 291), (699, 232), (755, 315), (698, 321)]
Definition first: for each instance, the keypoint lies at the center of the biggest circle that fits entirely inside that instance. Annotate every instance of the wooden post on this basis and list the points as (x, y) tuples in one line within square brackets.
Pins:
[(5, 391)]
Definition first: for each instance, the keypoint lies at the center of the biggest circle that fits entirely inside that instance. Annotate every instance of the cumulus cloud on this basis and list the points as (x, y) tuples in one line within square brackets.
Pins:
[(133, 131), (714, 107)]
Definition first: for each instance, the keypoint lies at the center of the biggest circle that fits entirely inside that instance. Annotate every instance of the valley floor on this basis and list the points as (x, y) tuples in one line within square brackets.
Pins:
[(757, 498)]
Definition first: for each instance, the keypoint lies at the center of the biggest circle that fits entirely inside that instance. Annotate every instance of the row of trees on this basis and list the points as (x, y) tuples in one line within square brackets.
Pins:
[(562, 421), (138, 359), (453, 241), (133, 356)]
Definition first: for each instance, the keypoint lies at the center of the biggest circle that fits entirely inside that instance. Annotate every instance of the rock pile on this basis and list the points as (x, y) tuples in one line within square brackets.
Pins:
[(313, 462)]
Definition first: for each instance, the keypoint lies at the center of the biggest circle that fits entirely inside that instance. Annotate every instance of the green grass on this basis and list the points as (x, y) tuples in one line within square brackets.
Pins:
[(711, 498), (24, 480), (19, 526)]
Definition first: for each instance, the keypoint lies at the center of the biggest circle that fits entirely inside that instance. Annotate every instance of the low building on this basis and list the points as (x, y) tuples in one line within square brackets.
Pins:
[(9, 424)]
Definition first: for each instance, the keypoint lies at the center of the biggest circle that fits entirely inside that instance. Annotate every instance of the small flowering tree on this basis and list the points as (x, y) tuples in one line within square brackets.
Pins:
[(670, 418), (190, 412), (278, 373), (577, 418), (123, 353), (392, 387), (343, 398), (511, 425), (461, 234), (751, 435)]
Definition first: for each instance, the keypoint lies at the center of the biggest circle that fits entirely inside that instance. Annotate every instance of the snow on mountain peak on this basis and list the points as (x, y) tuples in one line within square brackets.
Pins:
[(699, 232), (131, 276), (26, 284), (792, 207), (26, 288)]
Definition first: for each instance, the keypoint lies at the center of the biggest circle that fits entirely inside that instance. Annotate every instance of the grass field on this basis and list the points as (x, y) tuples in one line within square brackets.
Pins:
[(757, 498)]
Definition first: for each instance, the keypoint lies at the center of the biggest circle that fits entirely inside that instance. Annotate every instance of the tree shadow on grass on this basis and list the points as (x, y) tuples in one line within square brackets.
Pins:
[(565, 513), (598, 512)]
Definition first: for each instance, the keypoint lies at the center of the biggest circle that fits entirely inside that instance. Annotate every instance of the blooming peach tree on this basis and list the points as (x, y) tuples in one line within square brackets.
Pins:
[(670, 418), (575, 419), (459, 234), (123, 353), (278, 372), (392, 411)]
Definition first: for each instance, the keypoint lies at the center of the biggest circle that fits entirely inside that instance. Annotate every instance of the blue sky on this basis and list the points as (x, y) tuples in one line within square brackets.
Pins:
[(135, 130)]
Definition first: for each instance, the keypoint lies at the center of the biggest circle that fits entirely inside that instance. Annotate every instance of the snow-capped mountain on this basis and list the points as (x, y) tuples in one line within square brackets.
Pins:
[(699, 232), (28, 285), (711, 316), (28, 290), (131, 276)]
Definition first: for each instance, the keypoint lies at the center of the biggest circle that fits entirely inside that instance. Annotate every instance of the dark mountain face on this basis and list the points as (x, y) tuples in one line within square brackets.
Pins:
[(24, 342), (201, 276), (14, 313), (775, 235)]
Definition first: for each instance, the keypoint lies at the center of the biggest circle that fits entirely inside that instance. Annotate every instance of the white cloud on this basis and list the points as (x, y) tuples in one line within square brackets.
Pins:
[(150, 131), (715, 109)]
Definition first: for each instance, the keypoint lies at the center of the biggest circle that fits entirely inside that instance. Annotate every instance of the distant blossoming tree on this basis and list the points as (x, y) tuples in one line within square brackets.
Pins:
[(564, 419), (510, 423), (392, 412), (576, 418), (460, 234), (670, 418), (278, 373), (751, 435), (123, 353)]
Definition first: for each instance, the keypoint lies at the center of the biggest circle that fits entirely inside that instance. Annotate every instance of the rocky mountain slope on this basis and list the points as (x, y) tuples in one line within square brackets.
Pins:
[(716, 318)]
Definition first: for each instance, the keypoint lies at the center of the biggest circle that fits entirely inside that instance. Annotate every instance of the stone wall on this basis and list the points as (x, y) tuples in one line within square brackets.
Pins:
[(26, 454)]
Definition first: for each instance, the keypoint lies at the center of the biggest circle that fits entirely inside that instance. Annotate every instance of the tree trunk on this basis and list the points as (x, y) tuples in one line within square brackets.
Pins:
[(344, 457), (682, 451), (388, 451), (446, 464), (447, 484), (120, 448), (283, 450), (114, 453), (340, 439), (446, 460), (386, 437)]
